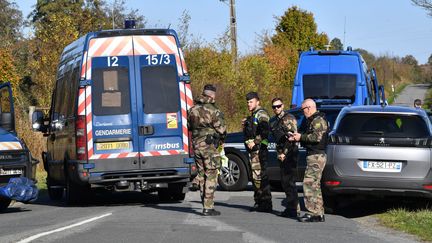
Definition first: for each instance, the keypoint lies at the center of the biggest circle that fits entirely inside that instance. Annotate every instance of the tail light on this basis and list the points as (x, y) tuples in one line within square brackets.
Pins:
[(332, 183), (427, 187), (191, 151), (81, 138), (337, 139)]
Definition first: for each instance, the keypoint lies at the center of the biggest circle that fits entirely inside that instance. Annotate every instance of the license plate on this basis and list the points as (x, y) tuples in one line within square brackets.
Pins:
[(381, 166), (113, 146), (11, 171)]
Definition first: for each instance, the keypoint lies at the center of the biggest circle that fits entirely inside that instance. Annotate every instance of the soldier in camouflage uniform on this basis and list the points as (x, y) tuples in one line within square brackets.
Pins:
[(314, 140), (256, 131), (283, 125), (208, 128)]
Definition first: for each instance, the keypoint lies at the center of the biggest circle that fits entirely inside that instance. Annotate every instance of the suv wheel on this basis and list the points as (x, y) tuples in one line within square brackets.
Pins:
[(234, 177)]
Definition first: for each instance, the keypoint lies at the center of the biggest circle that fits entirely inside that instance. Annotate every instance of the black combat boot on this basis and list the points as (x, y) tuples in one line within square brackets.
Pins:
[(210, 212), (265, 208), (287, 213), (194, 187), (254, 208), (311, 218)]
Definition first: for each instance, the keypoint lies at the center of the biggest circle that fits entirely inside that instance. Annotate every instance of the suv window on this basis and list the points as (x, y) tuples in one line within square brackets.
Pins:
[(379, 125), (330, 115), (160, 89), (329, 86), (111, 91)]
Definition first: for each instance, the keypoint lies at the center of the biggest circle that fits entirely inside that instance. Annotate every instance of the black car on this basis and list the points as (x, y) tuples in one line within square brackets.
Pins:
[(237, 174)]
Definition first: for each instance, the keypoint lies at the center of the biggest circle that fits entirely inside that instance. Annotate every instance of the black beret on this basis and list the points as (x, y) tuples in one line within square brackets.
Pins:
[(210, 87), (252, 95)]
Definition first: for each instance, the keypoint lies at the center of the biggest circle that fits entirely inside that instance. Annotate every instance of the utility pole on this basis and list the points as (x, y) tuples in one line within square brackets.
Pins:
[(233, 32), (233, 26)]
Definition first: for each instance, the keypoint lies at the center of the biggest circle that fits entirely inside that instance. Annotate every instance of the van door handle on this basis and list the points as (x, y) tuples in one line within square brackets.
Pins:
[(146, 130)]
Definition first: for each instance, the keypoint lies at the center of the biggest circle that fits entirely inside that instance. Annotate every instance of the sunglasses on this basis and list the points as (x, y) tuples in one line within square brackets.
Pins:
[(302, 109), (276, 106)]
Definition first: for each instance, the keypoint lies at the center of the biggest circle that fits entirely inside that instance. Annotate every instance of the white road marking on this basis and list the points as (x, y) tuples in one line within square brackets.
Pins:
[(34, 237), (217, 225)]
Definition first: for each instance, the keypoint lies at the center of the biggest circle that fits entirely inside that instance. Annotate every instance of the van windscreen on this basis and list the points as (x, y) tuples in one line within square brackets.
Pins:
[(382, 125), (160, 89), (111, 95), (329, 86)]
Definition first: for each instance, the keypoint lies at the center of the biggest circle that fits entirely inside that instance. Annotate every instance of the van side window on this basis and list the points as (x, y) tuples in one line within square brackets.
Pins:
[(59, 98), (66, 94), (160, 89), (111, 91), (73, 89)]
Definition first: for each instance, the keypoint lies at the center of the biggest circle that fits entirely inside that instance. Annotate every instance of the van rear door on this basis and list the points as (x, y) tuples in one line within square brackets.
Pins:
[(113, 108), (159, 106)]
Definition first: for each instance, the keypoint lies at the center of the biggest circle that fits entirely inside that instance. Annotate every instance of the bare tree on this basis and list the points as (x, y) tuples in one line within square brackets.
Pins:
[(425, 4)]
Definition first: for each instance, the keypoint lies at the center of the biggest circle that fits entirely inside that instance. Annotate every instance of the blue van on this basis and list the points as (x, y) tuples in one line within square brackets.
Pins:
[(334, 77), (118, 116), (15, 157)]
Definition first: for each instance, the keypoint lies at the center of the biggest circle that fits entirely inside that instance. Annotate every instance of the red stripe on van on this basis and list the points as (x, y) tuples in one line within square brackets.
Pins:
[(140, 41), (123, 43), (154, 153), (162, 45), (107, 42)]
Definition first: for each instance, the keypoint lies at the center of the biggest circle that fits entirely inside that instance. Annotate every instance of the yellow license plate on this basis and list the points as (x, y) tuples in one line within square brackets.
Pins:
[(112, 146)]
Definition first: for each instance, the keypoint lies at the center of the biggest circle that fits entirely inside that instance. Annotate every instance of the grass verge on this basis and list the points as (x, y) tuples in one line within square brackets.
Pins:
[(41, 179), (393, 96), (417, 223)]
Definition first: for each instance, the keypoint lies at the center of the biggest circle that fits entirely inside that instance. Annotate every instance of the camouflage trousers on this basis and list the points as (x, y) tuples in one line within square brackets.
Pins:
[(207, 160), (312, 183), (260, 181)]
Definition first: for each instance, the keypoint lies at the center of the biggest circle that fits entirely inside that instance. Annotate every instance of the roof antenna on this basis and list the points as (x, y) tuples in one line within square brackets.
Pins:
[(169, 25)]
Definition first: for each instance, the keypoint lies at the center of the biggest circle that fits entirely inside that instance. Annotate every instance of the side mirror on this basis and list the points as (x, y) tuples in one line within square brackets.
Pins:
[(58, 122), (37, 121), (185, 78)]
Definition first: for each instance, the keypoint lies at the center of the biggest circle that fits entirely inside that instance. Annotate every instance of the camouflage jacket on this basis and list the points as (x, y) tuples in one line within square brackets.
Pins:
[(205, 118), (257, 127), (280, 126), (315, 137)]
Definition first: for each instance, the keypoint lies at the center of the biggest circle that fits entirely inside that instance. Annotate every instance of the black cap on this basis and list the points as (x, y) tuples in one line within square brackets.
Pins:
[(252, 95), (210, 87)]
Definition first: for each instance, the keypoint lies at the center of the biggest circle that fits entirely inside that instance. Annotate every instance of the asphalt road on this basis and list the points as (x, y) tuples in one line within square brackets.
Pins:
[(139, 217), (410, 93)]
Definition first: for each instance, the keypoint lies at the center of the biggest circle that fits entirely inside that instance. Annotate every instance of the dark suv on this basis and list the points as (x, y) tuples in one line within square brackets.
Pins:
[(379, 150), (237, 174)]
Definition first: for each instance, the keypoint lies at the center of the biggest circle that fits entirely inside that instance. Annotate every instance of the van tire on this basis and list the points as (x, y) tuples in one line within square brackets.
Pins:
[(236, 171), (76, 194), (174, 192), (4, 203), (54, 193)]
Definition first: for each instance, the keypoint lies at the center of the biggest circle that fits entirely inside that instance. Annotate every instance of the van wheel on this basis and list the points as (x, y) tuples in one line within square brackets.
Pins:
[(174, 192), (4, 203), (76, 194), (234, 177), (54, 193)]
